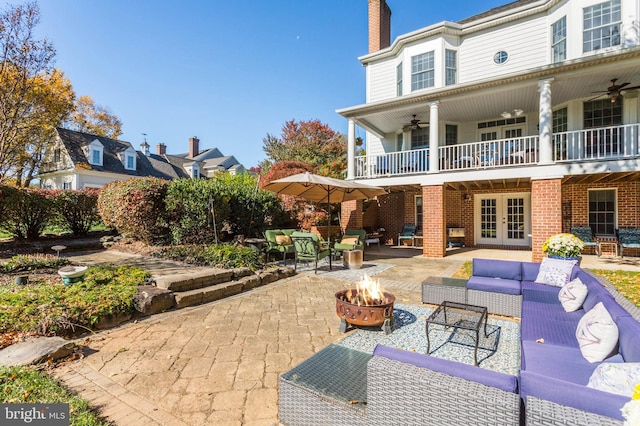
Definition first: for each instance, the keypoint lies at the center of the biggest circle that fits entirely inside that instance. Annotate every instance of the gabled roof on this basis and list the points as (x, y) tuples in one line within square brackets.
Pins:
[(152, 165)]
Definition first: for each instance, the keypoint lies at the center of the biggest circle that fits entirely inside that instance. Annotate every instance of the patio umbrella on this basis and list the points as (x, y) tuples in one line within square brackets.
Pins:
[(322, 189)]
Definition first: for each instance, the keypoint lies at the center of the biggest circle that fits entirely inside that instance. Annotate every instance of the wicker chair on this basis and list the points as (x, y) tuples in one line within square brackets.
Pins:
[(586, 235)]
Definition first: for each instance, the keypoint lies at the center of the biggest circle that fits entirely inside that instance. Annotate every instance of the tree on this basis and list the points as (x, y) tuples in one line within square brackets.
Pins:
[(310, 142), (24, 63), (94, 119)]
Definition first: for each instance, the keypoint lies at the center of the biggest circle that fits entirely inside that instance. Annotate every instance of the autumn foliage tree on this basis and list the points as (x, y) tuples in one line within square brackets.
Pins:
[(94, 119), (311, 142)]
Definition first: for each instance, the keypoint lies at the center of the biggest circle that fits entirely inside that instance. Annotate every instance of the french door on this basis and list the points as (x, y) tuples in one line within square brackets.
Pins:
[(503, 219)]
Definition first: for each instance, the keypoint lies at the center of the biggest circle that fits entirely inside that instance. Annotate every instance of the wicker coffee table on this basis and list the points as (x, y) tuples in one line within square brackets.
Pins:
[(460, 316)]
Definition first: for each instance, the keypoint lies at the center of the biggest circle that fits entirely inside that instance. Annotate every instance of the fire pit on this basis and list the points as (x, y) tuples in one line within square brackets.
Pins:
[(367, 305)]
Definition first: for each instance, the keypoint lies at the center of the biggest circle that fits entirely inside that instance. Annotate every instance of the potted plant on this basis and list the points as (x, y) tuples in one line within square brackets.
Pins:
[(563, 246)]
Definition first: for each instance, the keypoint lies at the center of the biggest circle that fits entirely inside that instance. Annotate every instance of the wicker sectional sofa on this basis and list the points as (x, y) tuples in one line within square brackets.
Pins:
[(415, 389)]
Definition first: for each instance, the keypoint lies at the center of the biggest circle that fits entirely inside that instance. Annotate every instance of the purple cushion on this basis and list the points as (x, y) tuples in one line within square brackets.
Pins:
[(571, 394), (533, 286), (494, 379), (496, 285), (628, 338), (493, 268), (560, 362), (541, 296), (530, 270), (550, 322)]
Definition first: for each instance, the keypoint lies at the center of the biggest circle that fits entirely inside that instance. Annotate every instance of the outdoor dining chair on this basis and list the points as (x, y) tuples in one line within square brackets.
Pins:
[(309, 248), (408, 233), (586, 235)]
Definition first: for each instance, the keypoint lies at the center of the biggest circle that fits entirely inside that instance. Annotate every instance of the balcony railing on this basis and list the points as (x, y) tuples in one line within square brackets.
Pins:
[(581, 145), (594, 144)]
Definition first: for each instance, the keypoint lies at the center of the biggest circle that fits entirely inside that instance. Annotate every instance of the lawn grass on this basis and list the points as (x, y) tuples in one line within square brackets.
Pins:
[(19, 385), (626, 282)]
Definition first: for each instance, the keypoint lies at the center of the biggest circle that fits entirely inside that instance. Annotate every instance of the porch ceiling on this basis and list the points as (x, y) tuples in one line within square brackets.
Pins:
[(486, 100), (490, 185), (632, 176)]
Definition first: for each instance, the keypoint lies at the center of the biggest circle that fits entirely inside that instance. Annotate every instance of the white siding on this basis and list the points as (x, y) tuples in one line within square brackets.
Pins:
[(526, 43), (381, 80)]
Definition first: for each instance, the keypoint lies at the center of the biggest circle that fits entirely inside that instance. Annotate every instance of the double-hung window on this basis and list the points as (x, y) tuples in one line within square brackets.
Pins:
[(601, 26), (399, 79), (559, 39), (602, 211), (451, 66), (422, 71), (131, 162), (96, 157)]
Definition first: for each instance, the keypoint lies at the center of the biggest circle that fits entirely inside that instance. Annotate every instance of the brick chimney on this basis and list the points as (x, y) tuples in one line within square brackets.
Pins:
[(194, 146), (161, 149), (379, 25)]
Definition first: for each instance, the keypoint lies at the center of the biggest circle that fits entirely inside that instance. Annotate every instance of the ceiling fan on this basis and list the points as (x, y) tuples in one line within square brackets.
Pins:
[(613, 91), (415, 124)]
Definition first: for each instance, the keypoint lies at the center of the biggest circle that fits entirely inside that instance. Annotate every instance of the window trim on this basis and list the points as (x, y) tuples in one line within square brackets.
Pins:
[(399, 79), (428, 73), (562, 41), (611, 24), (418, 214), (447, 68), (615, 209)]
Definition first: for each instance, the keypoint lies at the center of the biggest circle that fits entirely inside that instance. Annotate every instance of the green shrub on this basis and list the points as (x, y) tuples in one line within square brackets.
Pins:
[(30, 262), (220, 256), (78, 210), (50, 307), (239, 207), (136, 208), (25, 212), (29, 385)]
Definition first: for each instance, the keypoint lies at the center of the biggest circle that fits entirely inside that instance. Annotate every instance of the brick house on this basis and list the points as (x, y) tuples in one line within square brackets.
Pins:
[(514, 124)]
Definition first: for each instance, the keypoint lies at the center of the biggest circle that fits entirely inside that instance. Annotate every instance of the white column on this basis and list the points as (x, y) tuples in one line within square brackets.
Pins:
[(434, 125), (545, 122), (351, 150)]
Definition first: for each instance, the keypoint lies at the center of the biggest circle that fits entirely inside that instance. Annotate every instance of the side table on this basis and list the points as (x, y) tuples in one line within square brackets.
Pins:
[(608, 246)]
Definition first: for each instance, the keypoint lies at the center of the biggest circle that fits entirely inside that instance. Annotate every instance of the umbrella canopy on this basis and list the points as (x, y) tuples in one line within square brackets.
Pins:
[(323, 189)]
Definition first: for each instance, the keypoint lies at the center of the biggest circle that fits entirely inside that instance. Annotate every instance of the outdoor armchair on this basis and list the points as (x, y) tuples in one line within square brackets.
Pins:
[(353, 239), (309, 248), (408, 233), (586, 235), (279, 242), (628, 238)]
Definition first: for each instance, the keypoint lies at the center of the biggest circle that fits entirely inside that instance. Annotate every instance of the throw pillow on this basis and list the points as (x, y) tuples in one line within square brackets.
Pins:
[(617, 378), (349, 240), (572, 295), (597, 334), (283, 240), (555, 272)]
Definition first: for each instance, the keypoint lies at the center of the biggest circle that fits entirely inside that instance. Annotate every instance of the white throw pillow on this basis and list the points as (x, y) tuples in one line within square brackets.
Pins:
[(617, 378), (555, 272), (572, 295), (597, 334)]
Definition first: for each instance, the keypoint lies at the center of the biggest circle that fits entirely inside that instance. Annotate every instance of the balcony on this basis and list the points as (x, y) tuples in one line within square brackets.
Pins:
[(606, 143)]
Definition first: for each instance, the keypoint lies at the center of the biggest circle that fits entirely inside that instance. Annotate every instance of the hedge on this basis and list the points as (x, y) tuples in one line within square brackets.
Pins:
[(25, 212)]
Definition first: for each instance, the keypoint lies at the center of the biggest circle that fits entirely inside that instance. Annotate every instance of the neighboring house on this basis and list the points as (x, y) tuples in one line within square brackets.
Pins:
[(79, 160), (514, 124)]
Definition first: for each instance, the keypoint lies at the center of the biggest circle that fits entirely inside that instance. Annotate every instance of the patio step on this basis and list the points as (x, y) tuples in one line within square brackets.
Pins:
[(237, 282), (200, 278)]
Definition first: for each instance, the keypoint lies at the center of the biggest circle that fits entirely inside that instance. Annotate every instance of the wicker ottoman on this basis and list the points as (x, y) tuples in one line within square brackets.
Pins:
[(436, 290), (329, 388), (497, 303)]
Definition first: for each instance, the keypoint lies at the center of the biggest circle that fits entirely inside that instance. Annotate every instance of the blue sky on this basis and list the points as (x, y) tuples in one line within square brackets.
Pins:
[(229, 71)]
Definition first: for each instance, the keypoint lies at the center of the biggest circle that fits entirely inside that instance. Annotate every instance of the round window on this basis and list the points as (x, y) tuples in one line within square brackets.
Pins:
[(500, 57)]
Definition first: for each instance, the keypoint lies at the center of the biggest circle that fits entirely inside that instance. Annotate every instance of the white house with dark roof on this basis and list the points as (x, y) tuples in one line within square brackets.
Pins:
[(79, 160), (514, 124)]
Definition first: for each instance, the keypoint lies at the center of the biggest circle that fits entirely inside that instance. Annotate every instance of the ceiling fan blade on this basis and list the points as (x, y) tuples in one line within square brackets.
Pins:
[(631, 88), (596, 97), (623, 85)]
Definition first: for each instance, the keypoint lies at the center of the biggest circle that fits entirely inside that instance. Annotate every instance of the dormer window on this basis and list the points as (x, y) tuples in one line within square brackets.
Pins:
[(129, 159), (195, 171), (95, 153)]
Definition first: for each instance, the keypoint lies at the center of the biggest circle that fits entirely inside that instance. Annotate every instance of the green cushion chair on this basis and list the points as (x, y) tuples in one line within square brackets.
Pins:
[(339, 247), (276, 245), (309, 248)]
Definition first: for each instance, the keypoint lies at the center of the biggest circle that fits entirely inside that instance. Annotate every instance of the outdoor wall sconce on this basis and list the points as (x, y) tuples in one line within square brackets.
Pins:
[(466, 197)]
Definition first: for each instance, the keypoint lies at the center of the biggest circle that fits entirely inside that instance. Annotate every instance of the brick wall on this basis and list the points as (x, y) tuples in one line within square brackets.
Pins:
[(575, 201), (351, 214), (433, 224), (546, 213), (379, 25)]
